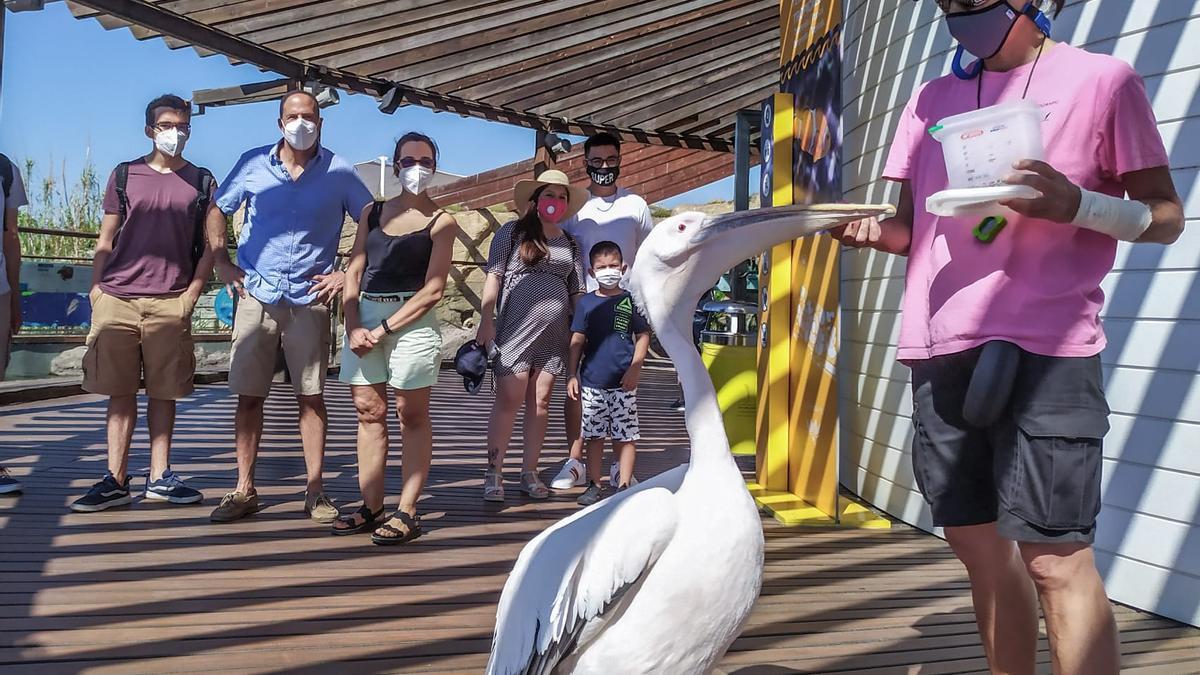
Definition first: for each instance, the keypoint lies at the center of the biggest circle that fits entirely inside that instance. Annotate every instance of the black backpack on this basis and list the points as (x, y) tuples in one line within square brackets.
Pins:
[(7, 172), (204, 187)]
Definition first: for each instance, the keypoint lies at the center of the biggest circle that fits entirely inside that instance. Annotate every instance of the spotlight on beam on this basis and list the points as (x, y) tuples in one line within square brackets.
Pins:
[(556, 144), (326, 96), (391, 100), (25, 5)]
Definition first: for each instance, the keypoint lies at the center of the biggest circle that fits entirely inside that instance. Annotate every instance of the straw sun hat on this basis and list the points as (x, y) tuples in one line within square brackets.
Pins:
[(524, 189)]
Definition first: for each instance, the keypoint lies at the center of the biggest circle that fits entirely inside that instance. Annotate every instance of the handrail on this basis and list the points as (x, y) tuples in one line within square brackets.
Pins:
[(77, 234)]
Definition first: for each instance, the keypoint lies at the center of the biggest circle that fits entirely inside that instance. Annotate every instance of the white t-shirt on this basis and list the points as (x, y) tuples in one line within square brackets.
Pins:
[(15, 200), (623, 219)]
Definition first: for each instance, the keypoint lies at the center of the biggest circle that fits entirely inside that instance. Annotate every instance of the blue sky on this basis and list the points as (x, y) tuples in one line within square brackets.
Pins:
[(70, 86)]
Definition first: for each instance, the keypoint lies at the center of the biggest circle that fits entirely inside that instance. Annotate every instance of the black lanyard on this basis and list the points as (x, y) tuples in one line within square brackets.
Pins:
[(979, 79)]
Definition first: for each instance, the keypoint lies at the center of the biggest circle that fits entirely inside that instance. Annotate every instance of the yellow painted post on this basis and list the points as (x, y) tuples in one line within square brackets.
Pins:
[(777, 387), (812, 470)]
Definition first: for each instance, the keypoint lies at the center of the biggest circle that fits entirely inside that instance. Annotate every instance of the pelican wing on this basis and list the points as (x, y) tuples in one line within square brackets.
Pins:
[(570, 575)]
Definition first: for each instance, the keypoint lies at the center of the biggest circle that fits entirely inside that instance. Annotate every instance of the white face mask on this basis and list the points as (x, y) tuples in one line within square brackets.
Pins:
[(608, 278), (300, 133), (416, 178), (169, 142)]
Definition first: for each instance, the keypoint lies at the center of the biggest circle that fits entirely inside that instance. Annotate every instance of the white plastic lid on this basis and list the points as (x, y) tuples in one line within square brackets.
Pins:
[(976, 201)]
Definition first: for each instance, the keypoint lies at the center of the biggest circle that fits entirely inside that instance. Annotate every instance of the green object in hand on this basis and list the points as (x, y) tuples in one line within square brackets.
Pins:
[(988, 228)]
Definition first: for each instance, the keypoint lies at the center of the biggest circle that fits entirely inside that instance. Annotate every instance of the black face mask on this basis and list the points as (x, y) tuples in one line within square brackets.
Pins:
[(605, 176)]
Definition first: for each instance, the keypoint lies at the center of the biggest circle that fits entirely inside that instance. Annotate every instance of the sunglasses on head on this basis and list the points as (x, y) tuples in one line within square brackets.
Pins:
[(410, 162)]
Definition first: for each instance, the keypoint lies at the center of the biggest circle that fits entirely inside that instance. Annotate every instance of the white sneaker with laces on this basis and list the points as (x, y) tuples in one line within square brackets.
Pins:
[(614, 476), (573, 474)]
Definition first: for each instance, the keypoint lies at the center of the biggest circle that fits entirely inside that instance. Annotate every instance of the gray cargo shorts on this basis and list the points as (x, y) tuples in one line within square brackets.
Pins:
[(1035, 472)]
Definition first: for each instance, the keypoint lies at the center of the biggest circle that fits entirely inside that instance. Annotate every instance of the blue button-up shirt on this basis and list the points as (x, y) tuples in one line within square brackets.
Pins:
[(292, 227)]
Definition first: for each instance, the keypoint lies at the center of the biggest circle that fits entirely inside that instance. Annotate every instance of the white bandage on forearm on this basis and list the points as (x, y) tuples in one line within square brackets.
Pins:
[(1122, 219)]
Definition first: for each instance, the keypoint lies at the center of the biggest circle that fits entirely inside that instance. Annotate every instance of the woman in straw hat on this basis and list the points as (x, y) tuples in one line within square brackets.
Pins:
[(535, 276)]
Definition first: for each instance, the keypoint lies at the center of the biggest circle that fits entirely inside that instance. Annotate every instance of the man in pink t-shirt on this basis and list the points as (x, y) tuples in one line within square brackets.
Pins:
[(1017, 488)]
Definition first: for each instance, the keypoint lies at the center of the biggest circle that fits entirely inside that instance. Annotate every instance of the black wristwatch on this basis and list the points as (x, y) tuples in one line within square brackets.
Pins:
[(386, 328)]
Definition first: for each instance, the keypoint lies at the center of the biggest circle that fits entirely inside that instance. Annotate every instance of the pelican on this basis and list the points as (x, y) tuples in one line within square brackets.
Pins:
[(658, 578)]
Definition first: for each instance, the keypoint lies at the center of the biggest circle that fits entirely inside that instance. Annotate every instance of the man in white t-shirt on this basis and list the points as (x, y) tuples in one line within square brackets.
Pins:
[(611, 214), (12, 197)]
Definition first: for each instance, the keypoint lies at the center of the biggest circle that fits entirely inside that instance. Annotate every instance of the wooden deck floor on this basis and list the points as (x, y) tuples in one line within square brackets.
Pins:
[(158, 589)]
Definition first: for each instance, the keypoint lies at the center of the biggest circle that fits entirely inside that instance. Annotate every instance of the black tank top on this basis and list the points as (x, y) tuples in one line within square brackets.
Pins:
[(396, 264)]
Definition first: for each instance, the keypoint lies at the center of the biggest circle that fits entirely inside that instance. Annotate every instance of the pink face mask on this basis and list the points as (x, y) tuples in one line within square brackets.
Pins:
[(552, 209)]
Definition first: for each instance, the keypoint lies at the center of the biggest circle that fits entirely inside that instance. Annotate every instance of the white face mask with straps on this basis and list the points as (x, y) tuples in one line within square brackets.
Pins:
[(416, 179), (169, 142), (609, 277), (300, 133)]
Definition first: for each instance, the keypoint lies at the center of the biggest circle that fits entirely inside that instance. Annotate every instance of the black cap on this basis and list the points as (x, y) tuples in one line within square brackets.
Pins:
[(471, 362)]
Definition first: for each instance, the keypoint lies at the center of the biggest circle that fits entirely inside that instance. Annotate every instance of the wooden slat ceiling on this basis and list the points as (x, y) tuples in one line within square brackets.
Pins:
[(668, 73)]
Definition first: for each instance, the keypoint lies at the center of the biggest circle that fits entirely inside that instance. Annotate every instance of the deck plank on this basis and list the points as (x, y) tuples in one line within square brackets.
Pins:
[(152, 589)]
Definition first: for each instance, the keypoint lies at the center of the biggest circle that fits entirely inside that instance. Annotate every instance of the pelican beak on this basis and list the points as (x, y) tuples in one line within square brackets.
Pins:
[(784, 223)]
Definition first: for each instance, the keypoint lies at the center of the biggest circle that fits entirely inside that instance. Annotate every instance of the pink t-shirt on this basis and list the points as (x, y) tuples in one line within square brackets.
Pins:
[(1037, 284)]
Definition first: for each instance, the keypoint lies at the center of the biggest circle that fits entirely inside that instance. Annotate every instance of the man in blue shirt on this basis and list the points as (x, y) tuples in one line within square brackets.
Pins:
[(296, 196), (612, 338)]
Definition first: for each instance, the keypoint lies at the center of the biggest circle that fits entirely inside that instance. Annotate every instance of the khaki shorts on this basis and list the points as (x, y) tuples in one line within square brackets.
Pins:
[(258, 332), (5, 331), (140, 335)]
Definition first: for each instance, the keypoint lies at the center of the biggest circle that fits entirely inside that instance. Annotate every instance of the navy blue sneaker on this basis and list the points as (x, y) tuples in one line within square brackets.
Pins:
[(104, 495), (591, 495), (8, 484), (171, 488)]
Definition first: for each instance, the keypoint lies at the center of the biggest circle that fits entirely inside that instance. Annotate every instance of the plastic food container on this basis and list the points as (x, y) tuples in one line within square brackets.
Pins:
[(979, 148)]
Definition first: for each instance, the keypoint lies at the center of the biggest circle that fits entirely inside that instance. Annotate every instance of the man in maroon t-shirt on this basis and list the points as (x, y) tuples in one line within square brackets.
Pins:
[(146, 279)]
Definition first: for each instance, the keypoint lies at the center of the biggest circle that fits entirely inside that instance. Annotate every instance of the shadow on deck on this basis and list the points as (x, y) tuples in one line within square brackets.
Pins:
[(152, 589)]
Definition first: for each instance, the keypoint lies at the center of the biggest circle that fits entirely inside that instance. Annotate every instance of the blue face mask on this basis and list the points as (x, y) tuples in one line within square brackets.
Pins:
[(983, 32)]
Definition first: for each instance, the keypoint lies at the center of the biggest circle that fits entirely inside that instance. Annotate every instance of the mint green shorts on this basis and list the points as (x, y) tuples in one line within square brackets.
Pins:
[(407, 359)]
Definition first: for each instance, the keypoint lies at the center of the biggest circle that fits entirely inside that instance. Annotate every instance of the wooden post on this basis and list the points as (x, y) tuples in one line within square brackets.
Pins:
[(543, 159)]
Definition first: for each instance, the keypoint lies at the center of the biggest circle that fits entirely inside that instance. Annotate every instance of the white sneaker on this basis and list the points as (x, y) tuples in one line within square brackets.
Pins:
[(573, 474), (614, 476)]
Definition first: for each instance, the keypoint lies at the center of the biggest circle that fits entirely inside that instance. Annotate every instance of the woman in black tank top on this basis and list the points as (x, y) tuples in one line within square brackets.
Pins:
[(397, 274)]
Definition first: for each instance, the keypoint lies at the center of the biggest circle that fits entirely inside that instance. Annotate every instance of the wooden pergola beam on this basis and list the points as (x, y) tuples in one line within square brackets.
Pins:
[(654, 172), (171, 25)]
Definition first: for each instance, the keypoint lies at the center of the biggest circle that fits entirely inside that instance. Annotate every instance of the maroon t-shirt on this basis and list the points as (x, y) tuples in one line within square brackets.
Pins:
[(153, 253)]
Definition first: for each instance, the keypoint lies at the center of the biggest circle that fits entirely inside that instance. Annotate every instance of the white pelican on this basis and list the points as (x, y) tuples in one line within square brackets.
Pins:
[(661, 577)]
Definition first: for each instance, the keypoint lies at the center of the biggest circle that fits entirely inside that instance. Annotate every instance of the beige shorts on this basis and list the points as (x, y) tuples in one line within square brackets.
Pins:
[(5, 331), (136, 338), (260, 330)]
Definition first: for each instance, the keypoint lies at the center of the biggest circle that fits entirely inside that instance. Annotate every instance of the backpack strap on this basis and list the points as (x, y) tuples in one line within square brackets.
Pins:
[(120, 186), (7, 173), (204, 185), (373, 218)]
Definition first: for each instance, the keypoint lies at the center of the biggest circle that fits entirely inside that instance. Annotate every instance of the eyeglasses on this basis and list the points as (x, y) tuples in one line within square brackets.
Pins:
[(410, 162), (599, 162), (184, 129)]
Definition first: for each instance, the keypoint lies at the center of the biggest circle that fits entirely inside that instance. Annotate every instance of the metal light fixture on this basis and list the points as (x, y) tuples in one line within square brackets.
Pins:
[(556, 144), (25, 5), (391, 100), (326, 96)]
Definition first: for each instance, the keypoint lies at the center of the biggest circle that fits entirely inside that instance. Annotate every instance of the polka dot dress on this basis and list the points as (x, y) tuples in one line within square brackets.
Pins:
[(533, 325)]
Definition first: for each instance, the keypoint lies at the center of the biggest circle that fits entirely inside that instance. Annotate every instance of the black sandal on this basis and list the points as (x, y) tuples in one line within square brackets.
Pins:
[(413, 523), (369, 520)]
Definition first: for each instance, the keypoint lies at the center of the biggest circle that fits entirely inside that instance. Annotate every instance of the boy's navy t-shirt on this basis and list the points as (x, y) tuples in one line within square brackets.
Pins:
[(609, 324)]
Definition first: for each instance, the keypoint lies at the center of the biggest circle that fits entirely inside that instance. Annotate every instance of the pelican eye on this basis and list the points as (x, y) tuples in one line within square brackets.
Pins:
[(682, 226)]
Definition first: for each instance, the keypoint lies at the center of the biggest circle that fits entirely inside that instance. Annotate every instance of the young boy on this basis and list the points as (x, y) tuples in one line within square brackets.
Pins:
[(612, 338)]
